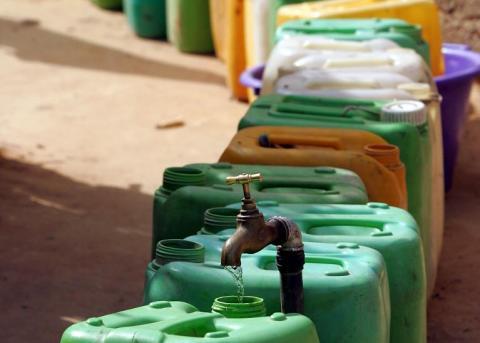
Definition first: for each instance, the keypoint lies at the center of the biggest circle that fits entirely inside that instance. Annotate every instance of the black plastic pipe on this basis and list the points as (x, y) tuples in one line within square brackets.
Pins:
[(290, 263)]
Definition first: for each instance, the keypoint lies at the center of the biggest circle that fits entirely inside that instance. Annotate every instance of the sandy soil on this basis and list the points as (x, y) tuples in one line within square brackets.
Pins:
[(82, 103), (461, 21)]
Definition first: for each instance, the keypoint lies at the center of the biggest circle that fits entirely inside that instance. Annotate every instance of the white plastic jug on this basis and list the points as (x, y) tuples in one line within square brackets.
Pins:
[(348, 84), (257, 35), (293, 48), (402, 61)]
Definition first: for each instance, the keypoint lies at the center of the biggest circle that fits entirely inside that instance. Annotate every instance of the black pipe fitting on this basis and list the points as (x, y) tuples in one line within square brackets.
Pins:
[(290, 263)]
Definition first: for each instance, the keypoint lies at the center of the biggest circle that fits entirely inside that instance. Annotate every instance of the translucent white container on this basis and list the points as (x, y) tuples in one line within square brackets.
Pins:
[(257, 34), (403, 61), (292, 48), (347, 84)]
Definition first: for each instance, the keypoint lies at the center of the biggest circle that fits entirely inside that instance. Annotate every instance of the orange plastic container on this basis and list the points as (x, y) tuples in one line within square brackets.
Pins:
[(235, 51), (372, 158), (418, 12)]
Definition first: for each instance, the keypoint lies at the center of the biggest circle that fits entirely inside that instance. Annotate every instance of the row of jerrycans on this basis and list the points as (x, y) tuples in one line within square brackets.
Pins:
[(187, 192), (347, 288), (186, 23), (349, 295), (315, 65), (316, 146), (242, 31), (306, 62), (358, 135), (304, 45), (247, 35), (423, 13), (344, 143), (300, 130), (375, 69)]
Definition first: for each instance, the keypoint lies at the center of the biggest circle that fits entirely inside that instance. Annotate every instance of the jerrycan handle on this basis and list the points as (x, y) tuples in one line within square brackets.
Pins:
[(286, 108), (350, 4), (358, 62), (306, 140), (353, 113), (336, 45), (361, 3), (308, 28)]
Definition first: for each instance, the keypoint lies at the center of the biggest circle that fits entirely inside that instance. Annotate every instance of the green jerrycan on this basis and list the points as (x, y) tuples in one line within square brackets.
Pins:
[(389, 230), (147, 18), (396, 30), (178, 322), (409, 131), (108, 4), (188, 25), (179, 204), (345, 285)]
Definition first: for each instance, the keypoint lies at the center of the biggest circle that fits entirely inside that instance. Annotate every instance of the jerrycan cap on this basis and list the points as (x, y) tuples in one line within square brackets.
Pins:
[(177, 177), (234, 307), (405, 111), (219, 218), (171, 250)]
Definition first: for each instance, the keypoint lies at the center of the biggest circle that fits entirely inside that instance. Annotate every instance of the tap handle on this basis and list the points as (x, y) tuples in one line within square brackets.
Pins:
[(244, 180)]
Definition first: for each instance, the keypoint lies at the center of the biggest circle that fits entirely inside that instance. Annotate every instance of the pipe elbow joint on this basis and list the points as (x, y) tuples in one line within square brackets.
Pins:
[(289, 235)]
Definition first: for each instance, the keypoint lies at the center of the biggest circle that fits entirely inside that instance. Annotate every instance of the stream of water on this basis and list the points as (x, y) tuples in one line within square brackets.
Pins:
[(236, 272)]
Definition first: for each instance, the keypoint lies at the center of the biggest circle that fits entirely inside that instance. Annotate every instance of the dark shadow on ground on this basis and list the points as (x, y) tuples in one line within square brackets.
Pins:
[(454, 311), (61, 49), (67, 251)]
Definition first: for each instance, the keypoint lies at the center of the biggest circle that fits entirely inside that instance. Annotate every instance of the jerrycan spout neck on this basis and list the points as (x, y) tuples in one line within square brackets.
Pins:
[(253, 234)]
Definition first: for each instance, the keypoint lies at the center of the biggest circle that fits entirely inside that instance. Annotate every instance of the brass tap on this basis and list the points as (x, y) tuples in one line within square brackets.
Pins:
[(253, 233), (244, 180)]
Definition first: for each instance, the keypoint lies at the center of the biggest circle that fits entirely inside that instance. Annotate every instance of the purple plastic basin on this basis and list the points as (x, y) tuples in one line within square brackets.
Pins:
[(252, 78), (461, 68)]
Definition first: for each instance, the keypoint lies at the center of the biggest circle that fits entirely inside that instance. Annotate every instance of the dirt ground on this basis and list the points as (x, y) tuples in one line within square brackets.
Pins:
[(461, 21), (83, 102)]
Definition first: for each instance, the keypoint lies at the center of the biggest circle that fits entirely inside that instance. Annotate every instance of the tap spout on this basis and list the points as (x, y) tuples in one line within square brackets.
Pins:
[(254, 234), (283, 233)]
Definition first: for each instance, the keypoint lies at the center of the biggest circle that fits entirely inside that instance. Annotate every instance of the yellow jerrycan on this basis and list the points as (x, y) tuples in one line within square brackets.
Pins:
[(370, 156), (257, 36), (235, 54), (218, 24), (418, 12), (436, 188)]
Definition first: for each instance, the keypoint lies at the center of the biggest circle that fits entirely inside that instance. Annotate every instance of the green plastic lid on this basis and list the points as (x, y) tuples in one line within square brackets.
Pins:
[(218, 219), (230, 307), (171, 250), (176, 177)]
